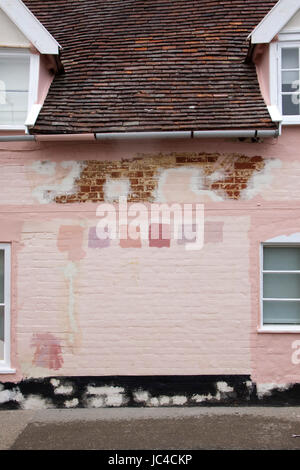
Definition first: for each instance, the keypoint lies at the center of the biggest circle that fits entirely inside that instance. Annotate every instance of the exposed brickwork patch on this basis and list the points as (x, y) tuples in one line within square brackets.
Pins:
[(226, 175)]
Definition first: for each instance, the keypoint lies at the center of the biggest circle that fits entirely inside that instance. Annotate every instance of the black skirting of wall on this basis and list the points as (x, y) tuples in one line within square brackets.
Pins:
[(144, 391)]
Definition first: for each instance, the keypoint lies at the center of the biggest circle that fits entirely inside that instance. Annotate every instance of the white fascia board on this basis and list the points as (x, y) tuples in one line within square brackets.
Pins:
[(274, 21), (30, 26), (275, 113), (33, 115)]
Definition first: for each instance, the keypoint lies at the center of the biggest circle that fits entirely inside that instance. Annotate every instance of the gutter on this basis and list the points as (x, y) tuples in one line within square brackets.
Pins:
[(111, 136)]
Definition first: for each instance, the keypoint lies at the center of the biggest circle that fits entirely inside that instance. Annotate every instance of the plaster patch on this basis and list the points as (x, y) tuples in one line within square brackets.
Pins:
[(47, 193), (184, 183), (116, 188), (260, 179)]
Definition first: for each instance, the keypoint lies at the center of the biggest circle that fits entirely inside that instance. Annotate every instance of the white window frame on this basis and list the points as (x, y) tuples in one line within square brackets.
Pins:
[(5, 365), (275, 77), (269, 328), (33, 80)]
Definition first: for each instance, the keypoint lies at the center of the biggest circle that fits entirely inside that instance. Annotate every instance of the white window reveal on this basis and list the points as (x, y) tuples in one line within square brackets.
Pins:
[(281, 287), (5, 269), (19, 73)]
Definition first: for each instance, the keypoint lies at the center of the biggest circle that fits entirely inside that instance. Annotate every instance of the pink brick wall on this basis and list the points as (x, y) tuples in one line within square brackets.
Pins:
[(81, 307)]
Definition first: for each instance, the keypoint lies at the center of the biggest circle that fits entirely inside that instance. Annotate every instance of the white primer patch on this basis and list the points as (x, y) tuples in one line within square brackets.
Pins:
[(260, 179), (202, 398), (6, 395), (224, 388), (35, 403), (106, 396), (97, 402), (116, 188), (46, 193), (153, 402), (71, 403), (164, 400), (64, 390), (179, 400), (141, 396), (55, 382), (106, 390), (264, 390)]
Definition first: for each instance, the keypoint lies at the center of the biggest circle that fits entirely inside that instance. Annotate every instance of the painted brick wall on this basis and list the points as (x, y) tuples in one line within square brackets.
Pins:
[(81, 306)]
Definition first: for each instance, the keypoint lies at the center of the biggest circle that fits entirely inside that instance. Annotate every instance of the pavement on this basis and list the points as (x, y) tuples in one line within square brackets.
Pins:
[(220, 428)]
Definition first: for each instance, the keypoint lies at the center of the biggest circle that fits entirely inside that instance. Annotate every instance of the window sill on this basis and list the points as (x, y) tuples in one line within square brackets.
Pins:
[(6, 370), (12, 128), (279, 329)]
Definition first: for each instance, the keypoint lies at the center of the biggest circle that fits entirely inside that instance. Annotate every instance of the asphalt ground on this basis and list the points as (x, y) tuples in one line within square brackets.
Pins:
[(221, 428)]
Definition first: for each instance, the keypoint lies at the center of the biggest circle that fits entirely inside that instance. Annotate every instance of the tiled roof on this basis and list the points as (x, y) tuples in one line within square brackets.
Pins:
[(152, 65)]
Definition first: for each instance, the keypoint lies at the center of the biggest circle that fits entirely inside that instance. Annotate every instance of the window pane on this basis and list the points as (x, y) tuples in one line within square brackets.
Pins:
[(13, 109), (281, 313), (281, 258), (1, 333), (290, 105), (282, 286), (290, 58), (290, 81), (14, 73), (14, 85), (1, 276)]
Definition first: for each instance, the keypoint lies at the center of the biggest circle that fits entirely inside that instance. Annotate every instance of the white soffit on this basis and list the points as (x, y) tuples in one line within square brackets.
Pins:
[(30, 26), (274, 21)]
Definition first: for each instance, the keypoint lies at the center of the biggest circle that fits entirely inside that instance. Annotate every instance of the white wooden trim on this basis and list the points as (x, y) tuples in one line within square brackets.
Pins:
[(5, 364), (274, 21), (281, 241), (30, 26), (34, 72), (273, 78)]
